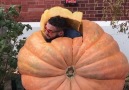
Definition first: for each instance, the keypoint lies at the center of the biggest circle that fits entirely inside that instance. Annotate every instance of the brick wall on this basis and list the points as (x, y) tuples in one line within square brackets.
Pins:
[(32, 9)]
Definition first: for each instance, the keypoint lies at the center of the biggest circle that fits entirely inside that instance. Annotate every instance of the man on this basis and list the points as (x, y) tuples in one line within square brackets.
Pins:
[(57, 27)]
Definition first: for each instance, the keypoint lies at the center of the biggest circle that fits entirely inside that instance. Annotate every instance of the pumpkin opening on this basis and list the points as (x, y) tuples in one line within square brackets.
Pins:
[(74, 19), (70, 72)]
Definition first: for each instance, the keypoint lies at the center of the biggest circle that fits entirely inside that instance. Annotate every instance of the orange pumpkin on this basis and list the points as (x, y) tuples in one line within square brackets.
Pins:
[(91, 62)]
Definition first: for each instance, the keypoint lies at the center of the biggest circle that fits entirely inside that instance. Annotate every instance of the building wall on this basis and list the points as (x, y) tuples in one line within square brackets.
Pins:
[(32, 9)]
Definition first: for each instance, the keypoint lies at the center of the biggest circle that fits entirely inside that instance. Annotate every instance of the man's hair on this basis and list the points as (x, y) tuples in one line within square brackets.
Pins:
[(58, 22)]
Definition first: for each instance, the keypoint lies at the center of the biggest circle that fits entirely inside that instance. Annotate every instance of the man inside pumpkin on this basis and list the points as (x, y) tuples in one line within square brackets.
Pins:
[(58, 27)]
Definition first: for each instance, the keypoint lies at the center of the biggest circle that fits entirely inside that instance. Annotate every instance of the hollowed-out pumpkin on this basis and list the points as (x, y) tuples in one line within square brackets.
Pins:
[(91, 62)]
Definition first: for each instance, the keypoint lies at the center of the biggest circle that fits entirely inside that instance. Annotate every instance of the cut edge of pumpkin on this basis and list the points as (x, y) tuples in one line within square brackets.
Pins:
[(74, 19)]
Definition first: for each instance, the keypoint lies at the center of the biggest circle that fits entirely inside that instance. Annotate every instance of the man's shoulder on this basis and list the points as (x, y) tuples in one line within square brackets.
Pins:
[(72, 33)]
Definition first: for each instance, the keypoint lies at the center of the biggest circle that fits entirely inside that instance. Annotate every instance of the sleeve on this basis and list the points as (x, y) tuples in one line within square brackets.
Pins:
[(71, 33)]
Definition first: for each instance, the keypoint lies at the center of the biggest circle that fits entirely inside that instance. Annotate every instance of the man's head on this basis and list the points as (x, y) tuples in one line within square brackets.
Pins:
[(54, 28)]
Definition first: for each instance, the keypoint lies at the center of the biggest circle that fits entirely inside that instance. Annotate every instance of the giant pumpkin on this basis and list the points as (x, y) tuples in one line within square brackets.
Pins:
[(91, 62)]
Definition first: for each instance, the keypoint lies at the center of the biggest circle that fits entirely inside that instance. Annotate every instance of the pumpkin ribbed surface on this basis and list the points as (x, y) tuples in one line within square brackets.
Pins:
[(91, 62)]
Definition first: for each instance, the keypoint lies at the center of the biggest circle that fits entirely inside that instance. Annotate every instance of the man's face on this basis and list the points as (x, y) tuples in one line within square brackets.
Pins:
[(51, 32)]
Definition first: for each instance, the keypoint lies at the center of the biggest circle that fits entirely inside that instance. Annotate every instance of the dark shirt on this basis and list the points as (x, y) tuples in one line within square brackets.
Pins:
[(71, 33)]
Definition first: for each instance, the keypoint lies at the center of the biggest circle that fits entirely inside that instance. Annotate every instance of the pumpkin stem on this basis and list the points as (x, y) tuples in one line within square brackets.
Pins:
[(70, 72)]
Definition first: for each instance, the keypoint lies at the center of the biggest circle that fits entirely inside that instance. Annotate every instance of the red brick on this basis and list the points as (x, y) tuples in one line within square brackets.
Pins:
[(91, 1), (7, 3), (48, 6), (84, 8), (24, 3), (23, 13), (16, 3), (83, 5), (57, 2), (90, 5), (100, 4), (99, 1), (40, 6), (40, 3), (32, 2), (24, 8), (15, 0), (75, 9), (92, 15), (35, 10), (49, 2), (86, 15), (91, 8), (98, 8), (91, 12), (99, 11), (127, 7), (98, 15), (84, 1), (99, 19), (62, 2), (123, 18)]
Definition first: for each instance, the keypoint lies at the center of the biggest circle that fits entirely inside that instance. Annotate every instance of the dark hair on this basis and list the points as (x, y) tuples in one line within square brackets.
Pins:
[(58, 21)]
